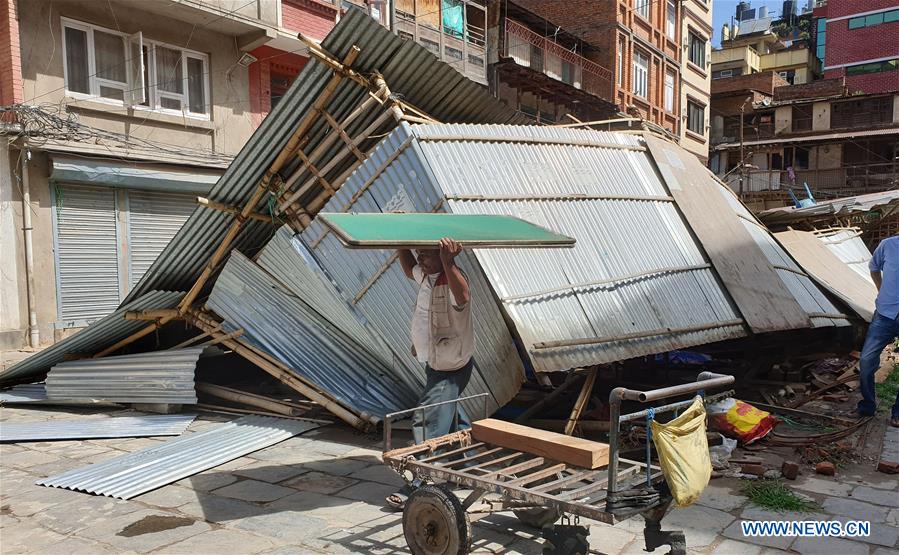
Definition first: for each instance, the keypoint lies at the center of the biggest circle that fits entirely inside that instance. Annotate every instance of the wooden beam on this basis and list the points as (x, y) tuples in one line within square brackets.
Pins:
[(307, 163), (263, 184), (581, 402), (203, 201), (570, 380), (133, 337), (233, 335), (346, 138), (192, 340), (249, 399), (152, 314), (556, 447)]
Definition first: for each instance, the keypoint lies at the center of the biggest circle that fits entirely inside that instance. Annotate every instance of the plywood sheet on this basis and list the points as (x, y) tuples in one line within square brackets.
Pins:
[(550, 445), (393, 231), (829, 271), (761, 296)]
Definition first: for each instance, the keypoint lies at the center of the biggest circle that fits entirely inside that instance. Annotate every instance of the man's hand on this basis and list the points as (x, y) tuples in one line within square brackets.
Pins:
[(449, 250)]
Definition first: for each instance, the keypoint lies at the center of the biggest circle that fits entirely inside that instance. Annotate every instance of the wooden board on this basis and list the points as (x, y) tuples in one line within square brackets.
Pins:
[(831, 272), (395, 231), (759, 293), (558, 447)]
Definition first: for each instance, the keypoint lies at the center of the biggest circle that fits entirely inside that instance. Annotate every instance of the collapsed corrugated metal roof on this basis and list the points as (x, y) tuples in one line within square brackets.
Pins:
[(413, 74), (847, 245), (99, 335), (636, 282), (885, 200), (154, 377), (280, 322)]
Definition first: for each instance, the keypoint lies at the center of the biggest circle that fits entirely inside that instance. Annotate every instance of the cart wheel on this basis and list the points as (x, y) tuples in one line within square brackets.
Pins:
[(538, 517), (435, 523)]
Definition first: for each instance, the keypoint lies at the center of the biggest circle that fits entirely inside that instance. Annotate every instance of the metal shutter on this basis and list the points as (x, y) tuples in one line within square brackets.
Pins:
[(87, 259), (153, 219)]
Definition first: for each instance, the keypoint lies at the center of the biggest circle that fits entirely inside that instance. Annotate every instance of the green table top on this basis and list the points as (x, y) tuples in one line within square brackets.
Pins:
[(424, 230)]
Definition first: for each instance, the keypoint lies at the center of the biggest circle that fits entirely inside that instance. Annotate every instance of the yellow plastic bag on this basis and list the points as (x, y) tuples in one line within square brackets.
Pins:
[(684, 453)]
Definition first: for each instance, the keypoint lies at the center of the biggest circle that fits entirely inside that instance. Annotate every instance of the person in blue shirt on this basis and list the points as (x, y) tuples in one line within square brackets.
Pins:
[(884, 328)]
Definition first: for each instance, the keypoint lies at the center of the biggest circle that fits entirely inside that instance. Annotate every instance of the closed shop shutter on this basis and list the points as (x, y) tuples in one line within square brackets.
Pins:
[(153, 219), (88, 269)]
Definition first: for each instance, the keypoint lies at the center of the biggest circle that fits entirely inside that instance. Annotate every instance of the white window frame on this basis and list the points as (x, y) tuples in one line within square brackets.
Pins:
[(725, 73), (132, 72), (691, 33), (641, 7), (671, 19), (640, 86), (669, 91)]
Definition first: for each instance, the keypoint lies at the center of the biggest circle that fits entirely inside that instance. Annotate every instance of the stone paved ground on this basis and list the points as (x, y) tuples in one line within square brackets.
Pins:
[(322, 493)]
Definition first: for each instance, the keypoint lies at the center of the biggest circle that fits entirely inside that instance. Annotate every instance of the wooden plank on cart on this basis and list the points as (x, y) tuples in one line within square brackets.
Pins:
[(558, 447)]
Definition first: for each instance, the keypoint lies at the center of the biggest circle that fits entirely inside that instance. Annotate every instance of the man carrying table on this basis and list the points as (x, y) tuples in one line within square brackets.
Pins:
[(442, 339)]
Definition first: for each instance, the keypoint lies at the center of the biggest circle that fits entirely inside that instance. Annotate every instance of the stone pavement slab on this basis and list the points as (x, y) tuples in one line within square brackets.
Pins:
[(823, 486), (219, 510), (32, 499), (284, 526), (19, 539), (876, 496), (369, 492), (28, 458), (270, 471), (757, 513), (253, 490), (818, 546), (379, 473), (208, 480), (885, 551), (881, 533), (607, 539), (82, 510), (893, 517), (701, 525), (144, 530), (735, 532), (319, 482), (170, 496), (339, 466), (721, 498), (733, 547), (855, 509), (221, 542)]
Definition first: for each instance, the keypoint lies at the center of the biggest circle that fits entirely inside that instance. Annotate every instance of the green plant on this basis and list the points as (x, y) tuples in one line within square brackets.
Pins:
[(774, 495), (886, 391)]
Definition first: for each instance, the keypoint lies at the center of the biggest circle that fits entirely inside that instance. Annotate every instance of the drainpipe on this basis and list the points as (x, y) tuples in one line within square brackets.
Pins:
[(34, 332)]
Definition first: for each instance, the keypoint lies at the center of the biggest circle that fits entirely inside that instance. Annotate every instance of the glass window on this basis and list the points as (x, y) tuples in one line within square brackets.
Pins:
[(695, 117), (77, 69), (873, 19), (127, 69), (669, 91), (856, 22), (642, 8), (822, 24), (672, 19), (891, 16), (697, 50), (641, 74)]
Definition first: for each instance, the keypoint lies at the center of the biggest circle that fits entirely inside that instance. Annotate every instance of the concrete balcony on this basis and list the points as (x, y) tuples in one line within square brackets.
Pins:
[(743, 57), (543, 55)]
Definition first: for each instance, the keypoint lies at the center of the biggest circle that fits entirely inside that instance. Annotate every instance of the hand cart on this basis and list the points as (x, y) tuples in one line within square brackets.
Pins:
[(538, 490)]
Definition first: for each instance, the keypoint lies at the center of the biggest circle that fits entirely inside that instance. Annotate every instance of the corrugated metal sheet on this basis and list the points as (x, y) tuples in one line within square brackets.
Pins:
[(145, 470), (277, 320), (382, 293), (635, 268), (25, 393), (848, 246), (154, 377), (836, 207), (410, 71), (812, 300), (88, 341), (86, 253), (94, 428)]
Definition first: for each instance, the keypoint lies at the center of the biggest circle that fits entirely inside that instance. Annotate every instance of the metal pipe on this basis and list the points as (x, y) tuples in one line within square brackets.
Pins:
[(389, 418), (674, 406), (34, 334)]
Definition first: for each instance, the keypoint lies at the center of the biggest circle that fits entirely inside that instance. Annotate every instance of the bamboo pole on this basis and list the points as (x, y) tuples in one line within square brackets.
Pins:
[(212, 342), (581, 402), (263, 185), (299, 405), (283, 374), (203, 201), (570, 380), (246, 399), (134, 337), (192, 340), (231, 410), (155, 314)]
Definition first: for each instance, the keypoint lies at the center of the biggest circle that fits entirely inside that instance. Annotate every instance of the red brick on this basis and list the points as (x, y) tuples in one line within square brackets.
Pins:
[(825, 468), (765, 82), (790, 470), (312, 18), (815, 89), (888, 467), (756, 469)]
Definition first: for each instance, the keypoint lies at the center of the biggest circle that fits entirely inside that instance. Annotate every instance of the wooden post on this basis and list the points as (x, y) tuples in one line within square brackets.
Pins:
[(570, 380), (203, 201), (581, 402), (249, 399), (134, 337)]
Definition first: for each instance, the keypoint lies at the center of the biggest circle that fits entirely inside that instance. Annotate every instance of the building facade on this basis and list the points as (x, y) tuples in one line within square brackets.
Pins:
[(859, 40), (696, 76)]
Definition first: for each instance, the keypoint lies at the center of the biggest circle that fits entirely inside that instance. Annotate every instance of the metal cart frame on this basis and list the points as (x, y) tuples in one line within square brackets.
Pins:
[(529, 483)]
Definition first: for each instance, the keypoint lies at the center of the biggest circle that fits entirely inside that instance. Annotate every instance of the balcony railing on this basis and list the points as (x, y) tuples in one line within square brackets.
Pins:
[(542, 54), (848, 180)]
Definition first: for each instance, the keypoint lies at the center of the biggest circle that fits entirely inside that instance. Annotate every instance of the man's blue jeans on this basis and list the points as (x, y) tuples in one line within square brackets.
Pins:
[(442, 420), (881, 332)]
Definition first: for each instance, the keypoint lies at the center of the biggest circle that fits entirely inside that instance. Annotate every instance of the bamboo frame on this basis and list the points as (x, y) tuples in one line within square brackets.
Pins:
[(155, 314), (581, 402), (203, 201), (249, 399), (343, 135), (134, 337)]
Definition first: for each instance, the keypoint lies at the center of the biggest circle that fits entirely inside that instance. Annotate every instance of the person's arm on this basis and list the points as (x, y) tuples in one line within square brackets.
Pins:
[(407, 261), (875, 266), (878, 279), (449, 249)]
